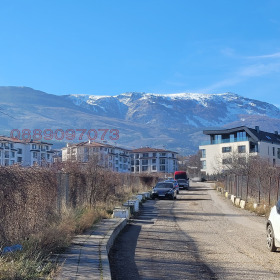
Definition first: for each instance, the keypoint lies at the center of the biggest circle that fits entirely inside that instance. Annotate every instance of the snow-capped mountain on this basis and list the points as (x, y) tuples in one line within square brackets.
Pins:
[(191, 109), (172, 121)]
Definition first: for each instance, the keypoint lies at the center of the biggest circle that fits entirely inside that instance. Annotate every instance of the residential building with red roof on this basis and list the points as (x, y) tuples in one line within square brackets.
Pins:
[(153, 160), (24, 153)]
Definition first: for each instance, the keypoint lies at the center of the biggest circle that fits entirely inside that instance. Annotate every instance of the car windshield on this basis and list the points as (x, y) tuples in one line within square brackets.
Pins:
[(164, 186), (172, 181), (182, 181)]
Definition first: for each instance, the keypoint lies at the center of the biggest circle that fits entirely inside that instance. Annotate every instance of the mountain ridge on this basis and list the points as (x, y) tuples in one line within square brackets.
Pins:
[(173, 121)]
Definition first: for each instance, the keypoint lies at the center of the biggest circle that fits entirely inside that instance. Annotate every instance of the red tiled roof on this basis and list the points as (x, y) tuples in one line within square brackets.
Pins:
[(15, 140), (148, 149)]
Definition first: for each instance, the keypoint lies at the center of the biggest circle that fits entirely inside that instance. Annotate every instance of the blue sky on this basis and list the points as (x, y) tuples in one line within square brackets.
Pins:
[(162, 46)]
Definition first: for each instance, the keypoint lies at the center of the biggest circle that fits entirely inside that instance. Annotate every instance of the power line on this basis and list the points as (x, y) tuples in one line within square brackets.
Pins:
[(6, 113)]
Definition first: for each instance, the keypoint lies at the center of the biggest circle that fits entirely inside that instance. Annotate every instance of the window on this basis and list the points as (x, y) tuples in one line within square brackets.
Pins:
[(19, 159), (273, 151), (11, 145), (227, 161), (132, 162), (274, 162), (34, 146), (241, 149), (203, 153), (226, 149), (162, 161), (12, 154), (203, 164), (231, 138), (145, 155), (155, 161), (154, 167), (242, 160), (217, 139), (6, 154), (144, 168), (162, 168), (35, 155), (137, 162), (144, 162), (19, 151), (278, 153), (241, 136), (132, 169), (154, 154), (162, 154), (137, 156), (48, 156)]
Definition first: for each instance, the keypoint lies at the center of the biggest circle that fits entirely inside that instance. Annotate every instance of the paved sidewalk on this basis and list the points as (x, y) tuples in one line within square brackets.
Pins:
[(87, 257)]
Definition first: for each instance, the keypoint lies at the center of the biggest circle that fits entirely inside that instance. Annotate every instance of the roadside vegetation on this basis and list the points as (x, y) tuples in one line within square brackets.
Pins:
[(42, 209), (253, 179)]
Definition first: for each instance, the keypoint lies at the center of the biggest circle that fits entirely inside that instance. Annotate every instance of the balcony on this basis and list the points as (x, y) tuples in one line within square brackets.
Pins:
[(222, 141)]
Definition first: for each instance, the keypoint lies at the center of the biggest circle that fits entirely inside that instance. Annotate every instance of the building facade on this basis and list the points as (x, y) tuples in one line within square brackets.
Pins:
[(24, 153), (242, 142), (112, 157), (153, 160)]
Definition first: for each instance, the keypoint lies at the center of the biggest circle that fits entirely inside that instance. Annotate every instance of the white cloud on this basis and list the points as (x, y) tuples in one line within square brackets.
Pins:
[(258, 69), (273, 55)]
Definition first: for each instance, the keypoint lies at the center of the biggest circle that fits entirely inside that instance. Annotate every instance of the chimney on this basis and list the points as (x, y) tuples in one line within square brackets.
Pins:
[(276, 132), (257, 128)]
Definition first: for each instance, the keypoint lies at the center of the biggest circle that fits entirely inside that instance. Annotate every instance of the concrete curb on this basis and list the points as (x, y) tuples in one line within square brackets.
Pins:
[(105, 246), (87, 257)]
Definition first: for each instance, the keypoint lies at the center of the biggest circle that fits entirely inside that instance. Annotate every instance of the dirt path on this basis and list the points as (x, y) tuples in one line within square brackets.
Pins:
[(200, 235)]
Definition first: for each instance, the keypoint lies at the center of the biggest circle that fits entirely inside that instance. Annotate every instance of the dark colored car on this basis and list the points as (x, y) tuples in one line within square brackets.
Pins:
[(183, 184), (164, 190), (175, 184)]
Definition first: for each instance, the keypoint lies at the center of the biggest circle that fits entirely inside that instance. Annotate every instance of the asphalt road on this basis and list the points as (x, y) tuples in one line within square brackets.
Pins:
[(201, 235)]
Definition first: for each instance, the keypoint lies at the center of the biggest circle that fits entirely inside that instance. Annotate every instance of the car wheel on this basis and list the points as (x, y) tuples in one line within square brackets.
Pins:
[(270, 242)]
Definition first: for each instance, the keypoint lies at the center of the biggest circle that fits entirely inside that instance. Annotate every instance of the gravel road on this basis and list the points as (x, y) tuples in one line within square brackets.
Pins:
[(201, 235)]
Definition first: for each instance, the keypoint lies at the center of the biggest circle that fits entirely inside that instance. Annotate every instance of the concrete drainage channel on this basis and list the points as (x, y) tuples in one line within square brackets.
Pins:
[(87, 258), (124, 213)]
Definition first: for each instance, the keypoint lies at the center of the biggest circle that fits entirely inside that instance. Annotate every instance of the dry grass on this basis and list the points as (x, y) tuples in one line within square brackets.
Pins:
[(33, 262), (29, 219), (261, 209)]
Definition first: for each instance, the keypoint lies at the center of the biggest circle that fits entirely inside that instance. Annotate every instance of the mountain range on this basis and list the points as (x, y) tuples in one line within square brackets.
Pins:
[(170, 121)]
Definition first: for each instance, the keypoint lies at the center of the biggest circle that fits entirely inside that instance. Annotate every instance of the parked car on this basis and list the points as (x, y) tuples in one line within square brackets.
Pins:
[(273, 228), (175, 183), (164, 190), (183, 184)]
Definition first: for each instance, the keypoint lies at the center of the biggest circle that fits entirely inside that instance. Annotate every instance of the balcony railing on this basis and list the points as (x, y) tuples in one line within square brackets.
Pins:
[(222, 141)]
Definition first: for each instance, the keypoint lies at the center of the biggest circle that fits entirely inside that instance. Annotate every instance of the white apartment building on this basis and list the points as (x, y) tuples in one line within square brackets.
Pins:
[(112, 157), (242, 141), (153, 160), (24, 153)]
